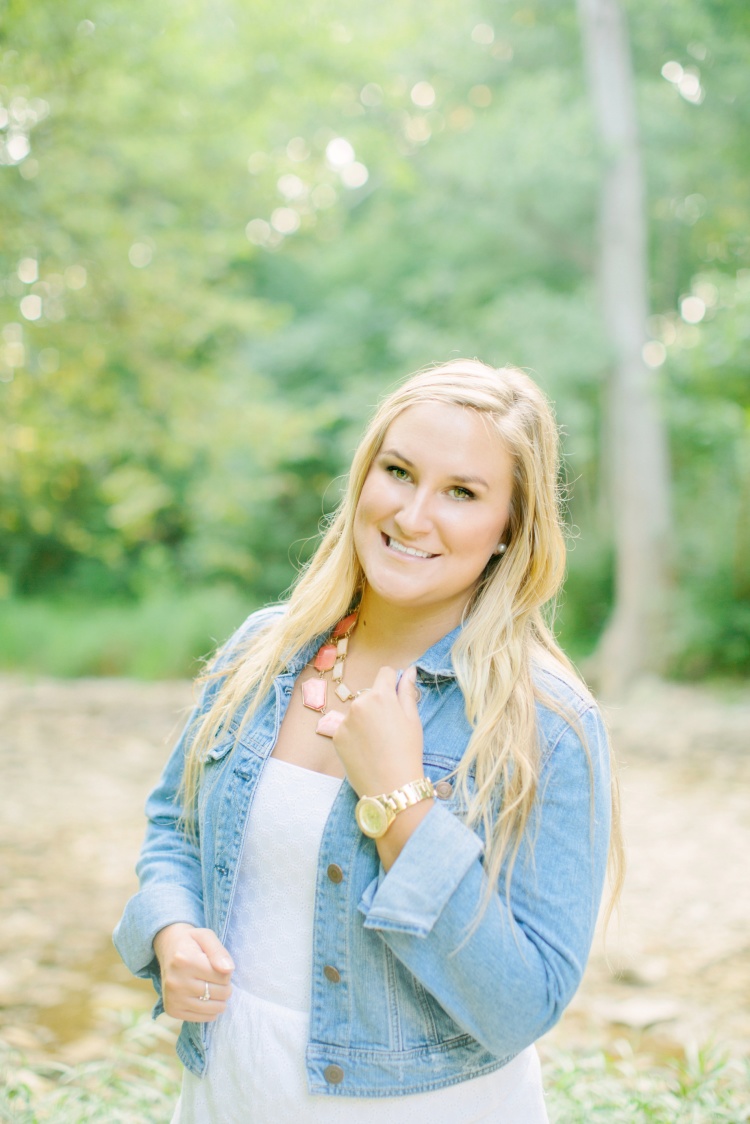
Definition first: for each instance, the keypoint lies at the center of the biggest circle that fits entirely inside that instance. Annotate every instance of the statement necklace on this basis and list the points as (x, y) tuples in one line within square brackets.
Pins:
[(331, 657)]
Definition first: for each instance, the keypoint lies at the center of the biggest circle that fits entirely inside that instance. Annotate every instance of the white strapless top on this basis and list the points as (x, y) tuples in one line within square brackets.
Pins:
[(256, 1072)]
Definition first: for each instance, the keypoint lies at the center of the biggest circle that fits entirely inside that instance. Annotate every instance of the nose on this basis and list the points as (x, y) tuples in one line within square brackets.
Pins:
[(415, 516)]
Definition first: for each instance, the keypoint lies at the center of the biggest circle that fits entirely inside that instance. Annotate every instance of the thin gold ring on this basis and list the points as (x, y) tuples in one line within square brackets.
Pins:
[(206, 995)]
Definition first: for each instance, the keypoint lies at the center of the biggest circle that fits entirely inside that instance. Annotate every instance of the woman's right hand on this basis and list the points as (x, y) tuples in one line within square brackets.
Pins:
[(189, 959)]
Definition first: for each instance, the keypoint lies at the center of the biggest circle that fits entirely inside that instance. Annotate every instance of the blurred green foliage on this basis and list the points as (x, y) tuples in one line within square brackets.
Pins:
[(228, 228)]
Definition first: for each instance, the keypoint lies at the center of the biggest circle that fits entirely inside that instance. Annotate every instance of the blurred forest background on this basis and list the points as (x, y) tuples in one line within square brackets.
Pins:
[(228, 228)]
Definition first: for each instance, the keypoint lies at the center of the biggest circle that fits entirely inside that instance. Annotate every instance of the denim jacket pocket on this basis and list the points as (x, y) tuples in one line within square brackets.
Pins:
[(449, 796), (213, 767), (447, 790), (438, 1026), (223, 743)]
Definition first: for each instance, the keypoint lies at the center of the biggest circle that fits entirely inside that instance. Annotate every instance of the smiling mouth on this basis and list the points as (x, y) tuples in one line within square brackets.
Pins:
[(410, 551)]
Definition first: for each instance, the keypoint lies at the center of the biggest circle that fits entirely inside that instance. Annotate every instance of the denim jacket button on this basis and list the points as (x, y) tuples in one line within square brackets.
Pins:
[(333, 1074), (335, 873), (332, 974), (444, 790)]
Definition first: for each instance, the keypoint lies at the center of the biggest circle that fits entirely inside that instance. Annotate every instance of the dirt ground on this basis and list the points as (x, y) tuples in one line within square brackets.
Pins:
[(78, 757)]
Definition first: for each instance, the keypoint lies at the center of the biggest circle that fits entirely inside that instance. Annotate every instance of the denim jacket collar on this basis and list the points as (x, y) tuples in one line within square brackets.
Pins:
[(435, 663)]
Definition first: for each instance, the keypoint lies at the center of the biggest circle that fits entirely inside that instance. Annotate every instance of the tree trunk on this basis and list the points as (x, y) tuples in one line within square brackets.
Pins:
[(634, 641)]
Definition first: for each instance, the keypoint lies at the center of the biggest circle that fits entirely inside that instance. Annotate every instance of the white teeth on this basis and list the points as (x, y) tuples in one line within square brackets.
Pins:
[(396, 545)]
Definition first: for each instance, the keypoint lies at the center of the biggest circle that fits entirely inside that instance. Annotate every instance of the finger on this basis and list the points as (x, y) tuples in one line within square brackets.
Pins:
[(194, 1010), (188, 1000), (385, 679), (217, 955), (217, 993), (190, 963), (408, 692)]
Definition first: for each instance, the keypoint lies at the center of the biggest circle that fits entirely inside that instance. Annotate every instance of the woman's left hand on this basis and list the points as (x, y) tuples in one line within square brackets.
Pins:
[(380, 740)]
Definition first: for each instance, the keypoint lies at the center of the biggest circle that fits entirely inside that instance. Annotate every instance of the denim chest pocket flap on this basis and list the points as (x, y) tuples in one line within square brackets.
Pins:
[(441, 772), (224, 741)]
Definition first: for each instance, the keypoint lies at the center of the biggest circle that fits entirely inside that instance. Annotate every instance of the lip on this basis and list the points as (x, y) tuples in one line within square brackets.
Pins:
[(386, 539)]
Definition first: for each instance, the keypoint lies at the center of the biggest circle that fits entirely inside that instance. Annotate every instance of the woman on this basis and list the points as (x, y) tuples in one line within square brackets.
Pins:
[(375, 858)]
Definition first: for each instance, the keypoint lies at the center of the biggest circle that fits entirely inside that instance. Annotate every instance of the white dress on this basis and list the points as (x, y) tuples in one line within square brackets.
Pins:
[(256, 1072)]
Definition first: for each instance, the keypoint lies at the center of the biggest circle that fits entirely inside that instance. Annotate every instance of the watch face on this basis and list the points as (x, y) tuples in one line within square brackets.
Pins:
[(371, 816)]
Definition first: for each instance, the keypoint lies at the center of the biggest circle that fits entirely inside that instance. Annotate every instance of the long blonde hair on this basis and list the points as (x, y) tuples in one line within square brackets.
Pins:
[(504, 629)]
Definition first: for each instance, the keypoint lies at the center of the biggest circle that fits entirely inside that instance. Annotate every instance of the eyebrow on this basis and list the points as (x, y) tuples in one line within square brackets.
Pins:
[(454, 476)]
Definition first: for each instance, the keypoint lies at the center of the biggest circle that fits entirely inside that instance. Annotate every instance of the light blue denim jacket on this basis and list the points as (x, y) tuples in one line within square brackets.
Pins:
[(418, 1006)]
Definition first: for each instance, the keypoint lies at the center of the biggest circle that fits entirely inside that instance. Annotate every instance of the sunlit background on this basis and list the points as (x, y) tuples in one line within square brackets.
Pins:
[(227, 228)]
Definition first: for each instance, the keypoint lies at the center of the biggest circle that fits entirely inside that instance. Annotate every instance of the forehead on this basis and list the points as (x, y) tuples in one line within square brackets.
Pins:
[(458, 438)]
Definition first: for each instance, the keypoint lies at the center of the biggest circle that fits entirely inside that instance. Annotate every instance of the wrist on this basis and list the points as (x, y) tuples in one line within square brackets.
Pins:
[(169, 933), (400, 831), (376, 814)]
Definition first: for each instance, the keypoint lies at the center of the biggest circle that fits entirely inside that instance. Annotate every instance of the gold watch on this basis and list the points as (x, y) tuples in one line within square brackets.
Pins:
[(375, 814)]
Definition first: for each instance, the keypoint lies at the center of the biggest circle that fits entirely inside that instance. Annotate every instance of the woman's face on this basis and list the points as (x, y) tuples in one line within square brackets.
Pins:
[(434, 507)]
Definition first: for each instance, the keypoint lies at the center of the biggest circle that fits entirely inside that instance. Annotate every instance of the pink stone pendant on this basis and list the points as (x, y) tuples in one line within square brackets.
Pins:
[(345, 626), (325, 658), (329, 723), (314, 692)]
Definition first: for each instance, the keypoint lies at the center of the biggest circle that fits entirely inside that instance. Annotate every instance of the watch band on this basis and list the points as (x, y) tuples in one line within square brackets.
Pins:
[(375, 814)]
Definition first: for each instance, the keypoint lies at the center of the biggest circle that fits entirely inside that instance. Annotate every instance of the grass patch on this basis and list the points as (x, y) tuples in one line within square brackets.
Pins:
[(136, 1086), (159, 637), (708, 1087), (144, 1092)]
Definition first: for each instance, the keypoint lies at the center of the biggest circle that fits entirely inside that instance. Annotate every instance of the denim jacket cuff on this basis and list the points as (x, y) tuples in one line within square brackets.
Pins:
[(431, 866), (145, 915)]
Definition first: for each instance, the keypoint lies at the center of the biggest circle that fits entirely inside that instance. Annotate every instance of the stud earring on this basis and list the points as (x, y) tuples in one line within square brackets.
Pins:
[(500, 548)]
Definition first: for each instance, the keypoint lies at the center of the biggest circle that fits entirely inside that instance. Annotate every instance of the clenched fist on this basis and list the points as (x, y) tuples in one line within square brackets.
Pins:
[(189, 959)]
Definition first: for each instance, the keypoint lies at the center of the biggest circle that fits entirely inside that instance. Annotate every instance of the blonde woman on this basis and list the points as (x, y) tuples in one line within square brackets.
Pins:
[(375, 857)]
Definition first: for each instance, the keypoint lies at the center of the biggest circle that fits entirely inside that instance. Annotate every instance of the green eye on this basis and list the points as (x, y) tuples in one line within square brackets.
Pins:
[(462, 493), (398, 472)]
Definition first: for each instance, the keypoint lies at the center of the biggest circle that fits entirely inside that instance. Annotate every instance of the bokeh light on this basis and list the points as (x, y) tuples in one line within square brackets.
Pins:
[(692, 309), (354, 175), (417, 129), (654, 353), (17, 147), (483, 33), (291, 186), (140, 255), (297, 150), (423, 95), (76, 277), (31, 307), (285, 220), (371, 95), (690, 87), (672, 71), (28, 270), (257, 231), (339, 152)]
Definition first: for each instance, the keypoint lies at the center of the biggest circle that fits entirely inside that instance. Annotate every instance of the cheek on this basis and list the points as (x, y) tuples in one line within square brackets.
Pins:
[(373, 501), (365, 512), (481, 538), (478, 528)]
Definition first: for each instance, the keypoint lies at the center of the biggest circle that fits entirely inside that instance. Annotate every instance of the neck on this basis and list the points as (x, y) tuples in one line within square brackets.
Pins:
[(397, 636)]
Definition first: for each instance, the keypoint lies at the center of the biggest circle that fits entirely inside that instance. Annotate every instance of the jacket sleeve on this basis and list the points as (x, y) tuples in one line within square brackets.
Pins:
[(169, 871), (169, 867), (509, 980)]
